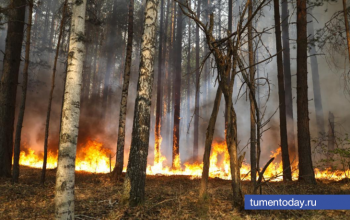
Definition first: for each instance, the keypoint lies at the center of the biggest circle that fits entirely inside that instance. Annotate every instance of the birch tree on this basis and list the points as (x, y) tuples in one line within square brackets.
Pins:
[(65, 176)]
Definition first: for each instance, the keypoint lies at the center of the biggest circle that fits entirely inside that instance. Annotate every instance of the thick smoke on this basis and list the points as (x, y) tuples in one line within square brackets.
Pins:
[(101, 124)]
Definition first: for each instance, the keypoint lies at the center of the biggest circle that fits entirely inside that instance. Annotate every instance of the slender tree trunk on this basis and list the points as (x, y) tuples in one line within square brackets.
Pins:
[(252, 93), (231, 141), (346, 21), (189, 73), (288, 79), (229, 23), (134, 183), (170, 71), (315, 78), (166, 61), (47, 125), (331, 136), (65, 176), (17, 148), (196, 108), (220, 24), (208, 143), (159, 108), (124, 99), (306, 171), (287, 175), (8, 83), (177, 90)]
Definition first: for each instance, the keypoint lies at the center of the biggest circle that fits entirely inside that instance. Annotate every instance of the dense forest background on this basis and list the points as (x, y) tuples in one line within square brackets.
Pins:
[(106, 29)]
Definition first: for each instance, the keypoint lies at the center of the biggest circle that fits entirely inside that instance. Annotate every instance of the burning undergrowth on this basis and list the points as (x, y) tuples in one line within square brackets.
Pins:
[(94, 157)]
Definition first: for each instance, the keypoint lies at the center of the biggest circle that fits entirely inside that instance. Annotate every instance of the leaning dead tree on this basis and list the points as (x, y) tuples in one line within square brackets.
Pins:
[(226, 56)]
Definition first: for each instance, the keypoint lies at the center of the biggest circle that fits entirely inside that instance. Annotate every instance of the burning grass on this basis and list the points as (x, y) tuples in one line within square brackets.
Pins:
[(93, 157), (167, 197)]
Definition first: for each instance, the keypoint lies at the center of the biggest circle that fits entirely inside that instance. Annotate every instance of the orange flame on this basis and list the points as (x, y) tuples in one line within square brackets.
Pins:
[(93, 157)]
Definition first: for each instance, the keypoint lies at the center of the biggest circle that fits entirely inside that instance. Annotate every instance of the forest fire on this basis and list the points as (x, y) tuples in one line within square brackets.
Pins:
[(93, 157)]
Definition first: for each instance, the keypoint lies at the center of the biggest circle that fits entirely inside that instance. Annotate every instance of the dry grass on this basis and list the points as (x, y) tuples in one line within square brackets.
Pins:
[(167, 197)]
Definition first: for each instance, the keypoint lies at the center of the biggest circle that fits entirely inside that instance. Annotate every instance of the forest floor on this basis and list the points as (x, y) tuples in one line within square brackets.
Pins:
[(167, 197)]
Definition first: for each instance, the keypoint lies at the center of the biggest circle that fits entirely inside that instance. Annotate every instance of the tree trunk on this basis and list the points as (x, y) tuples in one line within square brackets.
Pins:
[(287, 175), (346, 21), (9, 80), (252, 93), (159, 107), (208, 143), (331, 136), (124, 99), (177, 91), (288, 79), (229, 23), (315, 78), (306, 171), (65, 176), (134, 183), (189, 73), (47, 125), (17, 147), (196, 108), (220, 25), (231, 141), (171, 72)]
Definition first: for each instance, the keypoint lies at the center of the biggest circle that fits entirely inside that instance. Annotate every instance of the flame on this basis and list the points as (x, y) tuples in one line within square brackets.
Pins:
[(33, 160), (93, 157)]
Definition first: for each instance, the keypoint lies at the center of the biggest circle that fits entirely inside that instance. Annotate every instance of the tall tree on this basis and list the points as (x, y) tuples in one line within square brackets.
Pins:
[(288, 78), (306, 171), (196, 105), (134, 183), (171, 72), (48, 113), (188, 70), (287, 174), (177, 89), (17, 147), (253, 161), (159, 108), (315, 76), (9, 80), (65, 176), (124, 99), (230, 16)]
